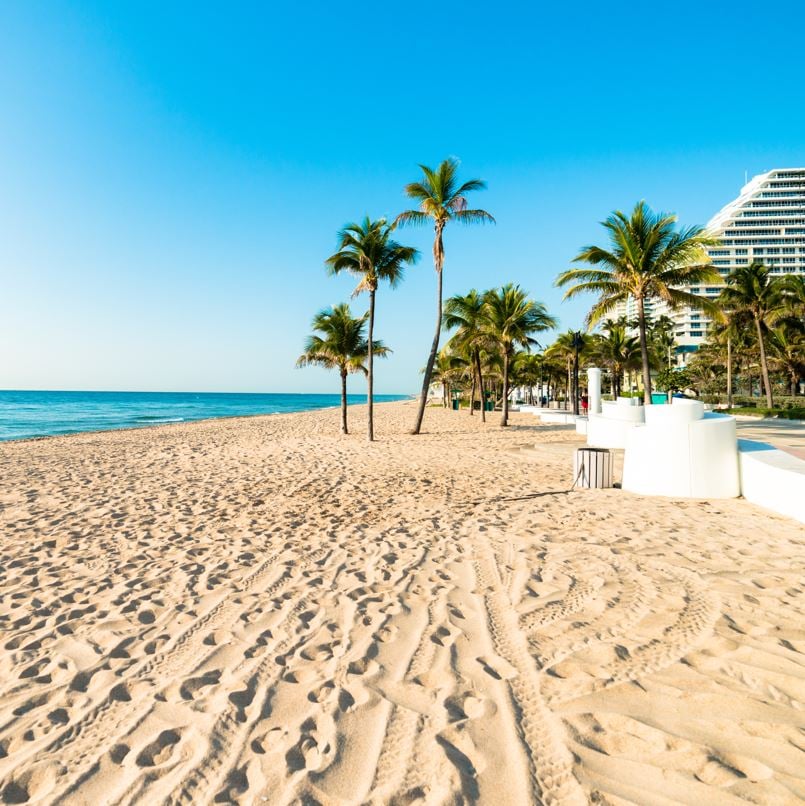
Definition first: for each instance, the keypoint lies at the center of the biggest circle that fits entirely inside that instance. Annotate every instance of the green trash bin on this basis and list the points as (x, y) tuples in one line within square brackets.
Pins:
[(455, 404), (489, 405)]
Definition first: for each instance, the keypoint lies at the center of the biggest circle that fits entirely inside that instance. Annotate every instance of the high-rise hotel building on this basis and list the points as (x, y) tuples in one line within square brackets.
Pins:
[(765, 224)]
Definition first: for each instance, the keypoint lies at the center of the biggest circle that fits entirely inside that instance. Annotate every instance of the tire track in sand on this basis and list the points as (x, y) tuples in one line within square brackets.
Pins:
[(550, 762)]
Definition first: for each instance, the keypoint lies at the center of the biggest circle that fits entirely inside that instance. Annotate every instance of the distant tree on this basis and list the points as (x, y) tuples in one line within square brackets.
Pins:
[(441, 199), (648, 258), (339, 342), (673, 379), (367, 251)]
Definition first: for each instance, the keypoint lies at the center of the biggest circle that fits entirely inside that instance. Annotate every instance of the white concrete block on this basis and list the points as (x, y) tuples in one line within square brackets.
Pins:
[(680, 452), (772, 478)]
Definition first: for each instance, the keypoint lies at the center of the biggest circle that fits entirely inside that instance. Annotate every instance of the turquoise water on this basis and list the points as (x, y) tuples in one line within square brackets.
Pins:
[(42, 414)]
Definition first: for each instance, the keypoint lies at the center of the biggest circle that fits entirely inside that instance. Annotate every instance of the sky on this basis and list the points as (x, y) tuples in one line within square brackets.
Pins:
[(173, 175)]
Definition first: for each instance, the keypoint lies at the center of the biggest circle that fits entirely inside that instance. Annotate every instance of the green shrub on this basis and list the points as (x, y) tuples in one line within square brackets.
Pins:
[(757, 411)]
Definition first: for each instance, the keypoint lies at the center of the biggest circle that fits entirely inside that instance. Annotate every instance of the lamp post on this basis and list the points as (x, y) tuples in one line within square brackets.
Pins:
[(578, 343)]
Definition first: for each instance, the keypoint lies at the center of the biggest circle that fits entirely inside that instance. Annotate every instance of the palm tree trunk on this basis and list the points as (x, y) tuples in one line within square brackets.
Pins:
[(344, 402), (438, 262), (764, 367), (370, 378), (641, 324), (481, 385), (729, 373), (504, 420), (472, 393)]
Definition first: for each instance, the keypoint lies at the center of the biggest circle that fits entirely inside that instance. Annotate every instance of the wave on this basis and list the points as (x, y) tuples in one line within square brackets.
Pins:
[(155, 418)]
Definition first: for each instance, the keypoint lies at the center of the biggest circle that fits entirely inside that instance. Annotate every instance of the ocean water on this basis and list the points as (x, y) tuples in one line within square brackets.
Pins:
[(42, 414)]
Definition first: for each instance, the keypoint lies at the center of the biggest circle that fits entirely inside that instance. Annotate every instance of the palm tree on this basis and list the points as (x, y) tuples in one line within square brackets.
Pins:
[(564, 349), (527, 370), (751, 290), (734, 332), (618, 352), (793, 287), (448, 369), (441, 200), (368, 251), (787, 348), (661, 337), (465, 313), (511, 320), (648, 258), (341, 345)]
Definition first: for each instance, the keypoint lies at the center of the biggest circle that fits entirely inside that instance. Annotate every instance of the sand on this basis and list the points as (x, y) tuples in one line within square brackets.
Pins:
[(263, 611)]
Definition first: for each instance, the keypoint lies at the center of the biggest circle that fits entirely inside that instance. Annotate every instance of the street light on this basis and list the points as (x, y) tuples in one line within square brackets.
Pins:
[(578, 343)]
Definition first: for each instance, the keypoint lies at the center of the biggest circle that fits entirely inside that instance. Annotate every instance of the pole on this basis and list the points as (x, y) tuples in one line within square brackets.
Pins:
[(576, 345), (729, 373)]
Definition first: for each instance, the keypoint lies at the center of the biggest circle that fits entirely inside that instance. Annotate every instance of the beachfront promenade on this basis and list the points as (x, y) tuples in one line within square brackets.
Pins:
[(261, 610)]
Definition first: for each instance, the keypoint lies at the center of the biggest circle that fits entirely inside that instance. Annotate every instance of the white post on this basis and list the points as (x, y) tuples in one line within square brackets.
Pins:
[(594, 390)]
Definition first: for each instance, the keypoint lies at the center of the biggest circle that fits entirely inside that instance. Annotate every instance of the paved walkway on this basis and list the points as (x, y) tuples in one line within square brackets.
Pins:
[(787, 435)]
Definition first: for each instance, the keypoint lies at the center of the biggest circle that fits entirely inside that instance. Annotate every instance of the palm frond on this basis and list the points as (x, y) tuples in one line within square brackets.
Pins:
[(411, 218), (474, 217)]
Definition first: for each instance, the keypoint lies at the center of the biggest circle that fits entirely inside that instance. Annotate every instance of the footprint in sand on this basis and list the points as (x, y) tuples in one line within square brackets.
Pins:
[(160, 750), (497, 667), (188, 689)]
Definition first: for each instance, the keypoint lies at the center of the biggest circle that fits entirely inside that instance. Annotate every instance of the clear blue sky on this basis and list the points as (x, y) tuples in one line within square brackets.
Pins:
[(172, 175)]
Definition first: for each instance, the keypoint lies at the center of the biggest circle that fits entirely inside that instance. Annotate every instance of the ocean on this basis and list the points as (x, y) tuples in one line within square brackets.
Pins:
[(43, 414)]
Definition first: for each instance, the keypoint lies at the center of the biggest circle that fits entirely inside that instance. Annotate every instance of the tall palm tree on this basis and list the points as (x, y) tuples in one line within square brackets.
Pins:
[(618, 352), (465, 313), (512, 319), (441, 199), (752, 290), (339, 343), (648, 258), (368, 251)]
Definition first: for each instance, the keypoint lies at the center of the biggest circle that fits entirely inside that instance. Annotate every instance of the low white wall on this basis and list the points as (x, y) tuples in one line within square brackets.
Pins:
[(673, 455), (772, 478), (604, 432), (625, 413), (560, 417)]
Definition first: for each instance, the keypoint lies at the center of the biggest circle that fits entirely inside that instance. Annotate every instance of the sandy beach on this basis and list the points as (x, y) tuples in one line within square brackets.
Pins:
[(260, 610)]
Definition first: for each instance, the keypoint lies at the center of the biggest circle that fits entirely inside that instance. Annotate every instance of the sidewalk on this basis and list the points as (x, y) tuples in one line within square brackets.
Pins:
[(787, 435)]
